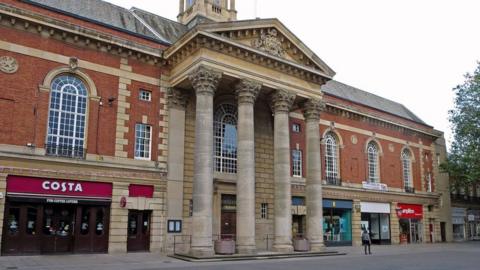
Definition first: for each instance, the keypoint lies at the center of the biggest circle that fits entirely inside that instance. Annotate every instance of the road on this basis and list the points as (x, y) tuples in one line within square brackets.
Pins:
[(458, 256)]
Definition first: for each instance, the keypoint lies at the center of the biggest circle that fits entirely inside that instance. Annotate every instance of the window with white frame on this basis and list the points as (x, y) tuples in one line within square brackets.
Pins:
[(296, 128), (331, 156), (297, 163), (429, 182), (373, 166), (264, 210), (145, 95), (143, 141), (67, 117), (407, 168), (225, 138)]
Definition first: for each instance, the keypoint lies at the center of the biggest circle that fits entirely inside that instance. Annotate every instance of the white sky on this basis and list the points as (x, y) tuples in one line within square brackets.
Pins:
[(411, 51)]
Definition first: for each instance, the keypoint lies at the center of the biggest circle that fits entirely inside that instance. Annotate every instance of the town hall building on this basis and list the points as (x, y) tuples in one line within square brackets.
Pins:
[(124, 131)]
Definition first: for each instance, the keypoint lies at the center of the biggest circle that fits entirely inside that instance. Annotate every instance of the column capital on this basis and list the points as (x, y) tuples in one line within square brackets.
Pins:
[(204, 80), (247, 91), (176, 98), (282, 101), (312, 109)]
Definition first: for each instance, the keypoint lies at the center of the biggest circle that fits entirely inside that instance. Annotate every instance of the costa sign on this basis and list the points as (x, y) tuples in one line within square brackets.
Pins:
[(410, 211), (43, 186)]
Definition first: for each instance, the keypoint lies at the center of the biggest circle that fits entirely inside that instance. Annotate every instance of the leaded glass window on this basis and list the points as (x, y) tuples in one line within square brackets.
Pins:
[(225, 138), (373, 166), (67, 117)]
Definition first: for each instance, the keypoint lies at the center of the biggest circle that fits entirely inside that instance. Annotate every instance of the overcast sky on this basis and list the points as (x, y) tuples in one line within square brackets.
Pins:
[(411, 51)]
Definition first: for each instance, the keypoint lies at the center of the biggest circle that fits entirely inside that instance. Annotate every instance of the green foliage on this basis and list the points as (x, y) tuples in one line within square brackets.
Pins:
[(463, 163)]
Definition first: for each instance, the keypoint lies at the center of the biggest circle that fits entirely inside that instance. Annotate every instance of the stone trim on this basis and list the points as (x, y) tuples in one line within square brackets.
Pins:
[(123, 117), (47, 82)]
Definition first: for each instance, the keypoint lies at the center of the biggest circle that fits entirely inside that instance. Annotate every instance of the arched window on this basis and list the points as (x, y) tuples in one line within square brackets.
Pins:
[(225, 138), (66, 117), (331, 158), (373, 166), (407, 168)]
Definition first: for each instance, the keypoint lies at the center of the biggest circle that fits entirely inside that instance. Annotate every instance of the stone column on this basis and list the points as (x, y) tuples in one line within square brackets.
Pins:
[(204, 82), (246, 92), (282, 101), (313, 192)]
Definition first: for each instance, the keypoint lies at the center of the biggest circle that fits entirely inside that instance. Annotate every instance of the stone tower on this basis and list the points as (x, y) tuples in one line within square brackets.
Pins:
[(192, 11)]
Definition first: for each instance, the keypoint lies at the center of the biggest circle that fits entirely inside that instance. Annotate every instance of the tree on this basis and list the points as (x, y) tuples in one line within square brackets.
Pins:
[(463, 162)]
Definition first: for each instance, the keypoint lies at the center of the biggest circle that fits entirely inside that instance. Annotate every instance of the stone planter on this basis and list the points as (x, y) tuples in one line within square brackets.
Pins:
[(225, 246), (301, 244)]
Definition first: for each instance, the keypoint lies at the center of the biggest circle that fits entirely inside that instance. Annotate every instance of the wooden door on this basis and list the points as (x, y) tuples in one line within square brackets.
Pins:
[(91, 229), (228, 228), (58, 229), (21, 229), (138, 237)]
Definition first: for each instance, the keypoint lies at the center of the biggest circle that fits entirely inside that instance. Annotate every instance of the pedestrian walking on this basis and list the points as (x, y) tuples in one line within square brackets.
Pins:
[(367, 241)]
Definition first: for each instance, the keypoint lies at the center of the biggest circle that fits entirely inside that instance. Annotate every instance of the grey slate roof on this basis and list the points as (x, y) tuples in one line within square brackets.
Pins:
[(117, 17), (356, 95)]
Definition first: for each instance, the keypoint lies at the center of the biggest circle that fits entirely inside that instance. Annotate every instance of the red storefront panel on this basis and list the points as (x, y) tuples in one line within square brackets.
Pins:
[(414, 211), (57, 187), (140, 191)]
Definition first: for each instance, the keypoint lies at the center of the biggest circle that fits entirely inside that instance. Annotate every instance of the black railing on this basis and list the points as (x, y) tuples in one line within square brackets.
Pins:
[(409, 189), (333, 181), (62, 150)]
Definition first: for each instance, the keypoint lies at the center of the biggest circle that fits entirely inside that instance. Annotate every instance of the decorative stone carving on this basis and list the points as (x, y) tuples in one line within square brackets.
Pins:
[(205, 80), (73, 63), (8, 64), (176, 98), (312, 109), (354, 139), (282, 101), (391, 148), (247, 91), (270, 43)]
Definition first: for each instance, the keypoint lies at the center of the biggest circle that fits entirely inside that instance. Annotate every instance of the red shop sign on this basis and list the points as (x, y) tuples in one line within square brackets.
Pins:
[(140, 191), (410, 211), (47, 186)]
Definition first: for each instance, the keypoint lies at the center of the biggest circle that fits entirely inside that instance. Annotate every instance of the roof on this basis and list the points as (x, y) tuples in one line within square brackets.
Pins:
[(100, 12), (347, 92)]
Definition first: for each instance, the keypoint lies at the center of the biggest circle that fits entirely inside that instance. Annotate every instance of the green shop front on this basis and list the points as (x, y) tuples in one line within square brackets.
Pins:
[(337, 222)]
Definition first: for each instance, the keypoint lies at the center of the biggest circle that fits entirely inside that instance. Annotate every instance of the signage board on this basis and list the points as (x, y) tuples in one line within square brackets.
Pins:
[(414, 211), (374, 186)]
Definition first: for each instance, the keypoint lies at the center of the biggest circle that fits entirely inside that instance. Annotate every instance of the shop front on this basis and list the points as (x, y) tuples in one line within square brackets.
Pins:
[(337, 222), (411, 227), (473, 218), (376, 220), (51, 216), (458, 222)]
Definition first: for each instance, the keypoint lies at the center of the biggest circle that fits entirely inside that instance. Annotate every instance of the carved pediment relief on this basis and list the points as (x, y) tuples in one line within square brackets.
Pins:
[(269, 42)]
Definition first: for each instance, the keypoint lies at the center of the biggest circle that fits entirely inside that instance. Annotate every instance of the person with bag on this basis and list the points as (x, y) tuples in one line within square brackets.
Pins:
[(366, 241)]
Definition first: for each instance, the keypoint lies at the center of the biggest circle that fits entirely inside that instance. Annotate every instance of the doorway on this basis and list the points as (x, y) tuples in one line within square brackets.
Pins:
[(443, 231), (228, 217), (138, 238), (91, 229), (57, 229)]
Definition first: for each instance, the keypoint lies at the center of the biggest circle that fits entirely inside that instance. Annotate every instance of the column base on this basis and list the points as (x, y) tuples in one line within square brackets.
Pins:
[(249, 250), (283, 248), (317, 247), (201, 252)]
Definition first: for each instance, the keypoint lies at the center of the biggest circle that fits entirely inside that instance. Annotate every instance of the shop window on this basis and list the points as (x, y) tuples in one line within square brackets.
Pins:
[(297, 163), (337, 226), (67, 117), (264, 210), (48, 222), (143, 141), (373, 166), (12, 221), (225, 138), (145, 95), (31, 221), (99, 222), (85, 225)]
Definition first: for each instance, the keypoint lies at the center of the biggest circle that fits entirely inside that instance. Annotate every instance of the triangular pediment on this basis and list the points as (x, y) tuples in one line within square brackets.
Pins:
[(272, 37)]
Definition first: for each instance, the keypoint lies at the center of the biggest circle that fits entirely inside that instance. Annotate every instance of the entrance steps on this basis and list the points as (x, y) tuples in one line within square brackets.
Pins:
[(258, 256)]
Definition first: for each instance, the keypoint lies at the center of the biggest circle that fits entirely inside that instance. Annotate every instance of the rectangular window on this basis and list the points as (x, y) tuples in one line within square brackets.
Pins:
[(143, 141), (264, 210), (296, 128), (297, 163), (145, 95)]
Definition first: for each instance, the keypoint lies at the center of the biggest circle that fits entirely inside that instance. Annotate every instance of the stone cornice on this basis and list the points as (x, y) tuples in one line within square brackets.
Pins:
[(247, 91), (196, 39), (45, 26), (204, 80), (282, 101)]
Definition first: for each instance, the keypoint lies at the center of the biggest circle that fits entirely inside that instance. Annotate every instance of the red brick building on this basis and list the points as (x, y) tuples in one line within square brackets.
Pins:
[(124, 131)]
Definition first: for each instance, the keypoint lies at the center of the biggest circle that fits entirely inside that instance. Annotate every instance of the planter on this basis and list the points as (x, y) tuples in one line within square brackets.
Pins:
[(225, 246), (301, 244)]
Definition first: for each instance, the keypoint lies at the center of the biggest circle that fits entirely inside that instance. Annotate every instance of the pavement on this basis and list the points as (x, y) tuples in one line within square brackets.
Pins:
[(458, 256)]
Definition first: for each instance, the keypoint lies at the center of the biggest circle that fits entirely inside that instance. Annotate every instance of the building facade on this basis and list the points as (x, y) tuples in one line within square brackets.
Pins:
[(125, 131)]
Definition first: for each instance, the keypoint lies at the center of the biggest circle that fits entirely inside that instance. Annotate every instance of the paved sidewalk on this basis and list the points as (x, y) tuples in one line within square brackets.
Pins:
[(144, 261)]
